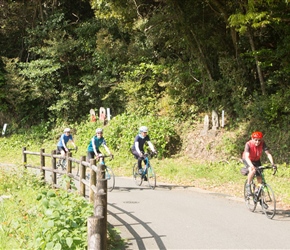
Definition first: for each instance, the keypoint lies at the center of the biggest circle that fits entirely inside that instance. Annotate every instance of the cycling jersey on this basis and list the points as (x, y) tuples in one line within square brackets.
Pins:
[(65, 138), (141, 141), (98, 142), (255, 152)]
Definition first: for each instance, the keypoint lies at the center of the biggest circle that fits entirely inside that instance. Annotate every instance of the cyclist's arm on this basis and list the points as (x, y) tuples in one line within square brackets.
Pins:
[(137, 148), (270, 157), (73, 143), (107, 149), (94, 146), (63, 144), (151, 146)]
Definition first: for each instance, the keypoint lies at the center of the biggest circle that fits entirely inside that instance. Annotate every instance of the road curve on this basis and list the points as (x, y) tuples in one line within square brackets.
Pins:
[(175, 217)]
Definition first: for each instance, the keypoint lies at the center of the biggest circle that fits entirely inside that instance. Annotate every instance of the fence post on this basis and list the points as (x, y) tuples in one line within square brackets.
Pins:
[(68, 170), (53, 165), (97, 224), (24, 157), (42, 163), (82, 176), (69, 165), (94, 233), (92, 180), (100, 205)]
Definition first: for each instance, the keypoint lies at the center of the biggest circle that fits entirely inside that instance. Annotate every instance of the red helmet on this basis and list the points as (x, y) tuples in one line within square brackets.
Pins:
[(257, 134)]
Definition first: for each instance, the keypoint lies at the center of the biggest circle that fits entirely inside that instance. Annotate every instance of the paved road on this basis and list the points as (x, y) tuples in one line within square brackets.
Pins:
[(172, 217)]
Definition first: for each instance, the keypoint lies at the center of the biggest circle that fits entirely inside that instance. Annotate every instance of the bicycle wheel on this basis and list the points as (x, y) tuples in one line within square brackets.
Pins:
[(268, 201), (151, 177), (137, 177), (249, 199), (110, 177)]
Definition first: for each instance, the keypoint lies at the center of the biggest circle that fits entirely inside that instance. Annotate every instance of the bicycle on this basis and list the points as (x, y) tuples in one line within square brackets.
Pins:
[(62, 162), (109, 174), (148, 172), (262, 193)]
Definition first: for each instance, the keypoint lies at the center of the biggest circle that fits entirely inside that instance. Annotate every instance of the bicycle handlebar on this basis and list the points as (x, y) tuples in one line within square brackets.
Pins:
[(104, 156), (268, 167), (151, 153), (73, 149)]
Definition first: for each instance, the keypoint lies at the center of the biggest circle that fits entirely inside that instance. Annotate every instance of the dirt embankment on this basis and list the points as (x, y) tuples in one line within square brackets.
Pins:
[(208, 145)]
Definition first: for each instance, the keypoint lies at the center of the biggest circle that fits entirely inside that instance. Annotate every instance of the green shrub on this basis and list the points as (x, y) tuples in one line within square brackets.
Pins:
[(123, 128), (64, 220), (35, 217)]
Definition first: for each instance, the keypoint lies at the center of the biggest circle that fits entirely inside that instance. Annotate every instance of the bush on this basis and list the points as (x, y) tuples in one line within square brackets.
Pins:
[(123, 128)]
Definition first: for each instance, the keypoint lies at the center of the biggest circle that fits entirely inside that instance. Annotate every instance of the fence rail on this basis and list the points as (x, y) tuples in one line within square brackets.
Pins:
[(96, 224)]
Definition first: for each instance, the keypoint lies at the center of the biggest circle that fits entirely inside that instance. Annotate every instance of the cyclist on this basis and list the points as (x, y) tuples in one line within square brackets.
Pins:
[(95, 143), (64, 139), (138, 147), (251, 157)]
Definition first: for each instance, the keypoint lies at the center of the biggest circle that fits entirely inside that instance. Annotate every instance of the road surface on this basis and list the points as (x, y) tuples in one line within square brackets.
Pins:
[(174, 217)]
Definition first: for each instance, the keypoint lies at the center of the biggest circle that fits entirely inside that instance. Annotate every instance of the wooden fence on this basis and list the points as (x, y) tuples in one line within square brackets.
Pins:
[(97, 224)]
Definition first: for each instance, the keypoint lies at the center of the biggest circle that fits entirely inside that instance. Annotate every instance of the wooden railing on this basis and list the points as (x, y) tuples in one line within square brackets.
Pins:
[(97, 224)]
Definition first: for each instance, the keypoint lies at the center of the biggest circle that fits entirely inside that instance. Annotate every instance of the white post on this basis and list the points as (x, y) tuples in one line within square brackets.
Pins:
[(108, 114), (4, 129), (223, 118)]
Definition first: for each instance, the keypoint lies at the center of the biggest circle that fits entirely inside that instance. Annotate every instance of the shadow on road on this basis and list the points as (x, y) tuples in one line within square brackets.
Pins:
[(282, 215), (163, 187), (129, 226)]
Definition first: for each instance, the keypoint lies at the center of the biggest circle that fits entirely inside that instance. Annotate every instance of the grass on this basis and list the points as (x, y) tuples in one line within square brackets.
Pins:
[(18, 216)]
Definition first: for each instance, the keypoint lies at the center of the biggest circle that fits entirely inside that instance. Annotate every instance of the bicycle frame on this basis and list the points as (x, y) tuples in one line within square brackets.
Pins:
[(148, 172), (146, 158), (63, 161), (257, 193), (109, 174), (264, 194), (263, 184)]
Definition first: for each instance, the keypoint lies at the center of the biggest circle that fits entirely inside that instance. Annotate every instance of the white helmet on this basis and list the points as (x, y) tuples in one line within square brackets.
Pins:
[(143, 129), (66, 130), (99, 130)]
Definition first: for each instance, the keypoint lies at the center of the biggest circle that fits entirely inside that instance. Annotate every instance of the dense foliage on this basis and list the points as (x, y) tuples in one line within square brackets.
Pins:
[(34, 217), (173, 58)]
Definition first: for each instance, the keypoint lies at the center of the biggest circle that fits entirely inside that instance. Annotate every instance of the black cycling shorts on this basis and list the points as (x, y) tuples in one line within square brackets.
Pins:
[(255, 163)]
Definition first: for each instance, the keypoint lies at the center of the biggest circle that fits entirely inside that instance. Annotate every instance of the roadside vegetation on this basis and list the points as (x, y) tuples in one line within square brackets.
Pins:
[(33, 216)]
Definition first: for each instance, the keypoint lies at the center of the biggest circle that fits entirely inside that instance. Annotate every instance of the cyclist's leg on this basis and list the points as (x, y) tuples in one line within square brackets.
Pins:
[(250, 177), (58, 152), (136, 155), (61, 151), (249, 199), (137, 177), (110, 177), (251, 174), (64, 160), (90, 155)]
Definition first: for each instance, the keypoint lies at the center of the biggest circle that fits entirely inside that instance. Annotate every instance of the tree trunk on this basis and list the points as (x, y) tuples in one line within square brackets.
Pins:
[(259, 71)]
